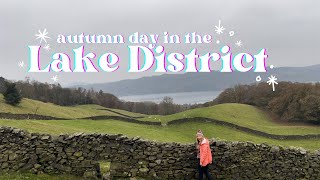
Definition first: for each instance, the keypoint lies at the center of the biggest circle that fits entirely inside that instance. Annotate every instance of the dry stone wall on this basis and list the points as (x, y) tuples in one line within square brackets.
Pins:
[(80, 154)]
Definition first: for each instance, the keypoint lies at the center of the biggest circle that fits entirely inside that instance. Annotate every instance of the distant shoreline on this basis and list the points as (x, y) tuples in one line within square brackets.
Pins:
[(178, 97)]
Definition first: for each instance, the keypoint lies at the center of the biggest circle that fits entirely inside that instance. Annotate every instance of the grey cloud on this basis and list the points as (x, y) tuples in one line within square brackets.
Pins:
[(288, 29)]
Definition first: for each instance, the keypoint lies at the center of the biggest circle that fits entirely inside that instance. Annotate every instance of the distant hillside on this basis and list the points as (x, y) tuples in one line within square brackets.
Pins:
[(214, 81), (29, 106)]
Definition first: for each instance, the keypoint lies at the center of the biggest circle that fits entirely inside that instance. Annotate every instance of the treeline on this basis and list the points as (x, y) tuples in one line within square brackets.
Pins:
[(290, 101), (78, 96)]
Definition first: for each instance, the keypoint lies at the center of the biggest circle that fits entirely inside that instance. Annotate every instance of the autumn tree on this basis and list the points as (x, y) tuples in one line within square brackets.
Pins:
[(166, 106)]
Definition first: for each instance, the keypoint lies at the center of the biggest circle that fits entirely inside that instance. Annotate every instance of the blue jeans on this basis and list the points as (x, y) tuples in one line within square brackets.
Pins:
[(205, 170)]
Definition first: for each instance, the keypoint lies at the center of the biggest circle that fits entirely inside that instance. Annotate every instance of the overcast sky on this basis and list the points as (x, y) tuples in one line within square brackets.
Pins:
[(287, 28)]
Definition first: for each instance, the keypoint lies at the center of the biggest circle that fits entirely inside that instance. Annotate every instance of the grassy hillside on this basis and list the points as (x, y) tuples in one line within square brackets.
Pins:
[(183, 133), (127, 113), (243, 115), (28, 106)]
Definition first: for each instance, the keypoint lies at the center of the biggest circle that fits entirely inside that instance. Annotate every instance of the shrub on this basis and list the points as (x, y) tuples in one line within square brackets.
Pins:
[(11, 94)]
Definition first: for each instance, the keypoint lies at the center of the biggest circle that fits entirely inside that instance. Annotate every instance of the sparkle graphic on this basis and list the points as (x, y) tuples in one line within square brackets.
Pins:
[(47, 47), (42, 35), (238, 43), (272, 66), (21, 64), (55, 78), (218, 42), (219, 29), (231, 33), (258, 78), (272, 81)]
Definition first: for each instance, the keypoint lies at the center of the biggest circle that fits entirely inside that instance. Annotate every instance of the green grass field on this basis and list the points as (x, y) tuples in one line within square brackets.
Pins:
[(243, 115), (183, 133), (28, 106)]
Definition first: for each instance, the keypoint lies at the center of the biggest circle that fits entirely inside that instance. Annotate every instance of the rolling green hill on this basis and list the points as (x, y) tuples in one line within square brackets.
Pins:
[(183, 133), (239, 114), (28, 106), (242, 115)]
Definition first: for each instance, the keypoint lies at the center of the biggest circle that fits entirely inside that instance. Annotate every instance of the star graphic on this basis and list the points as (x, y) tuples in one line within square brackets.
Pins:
[(272, 81), (47, 47), (21, 64), (219, 29), (55, 78), (42, 35), (239, 43)]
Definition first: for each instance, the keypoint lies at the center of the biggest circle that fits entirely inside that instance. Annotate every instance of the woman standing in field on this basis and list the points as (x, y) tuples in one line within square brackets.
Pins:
[(203, 155)]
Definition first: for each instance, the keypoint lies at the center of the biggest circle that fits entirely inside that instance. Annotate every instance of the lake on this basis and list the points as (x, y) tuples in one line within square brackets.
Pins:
[(178, 98)]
